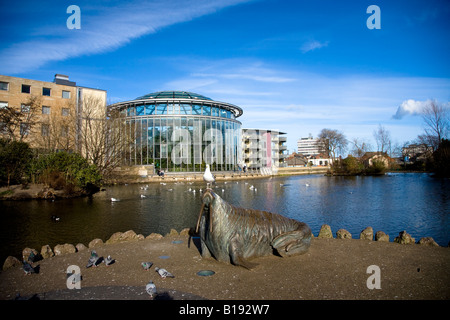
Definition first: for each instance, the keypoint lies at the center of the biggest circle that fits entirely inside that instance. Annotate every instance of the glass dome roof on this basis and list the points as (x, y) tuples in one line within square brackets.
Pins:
[(173, 95)]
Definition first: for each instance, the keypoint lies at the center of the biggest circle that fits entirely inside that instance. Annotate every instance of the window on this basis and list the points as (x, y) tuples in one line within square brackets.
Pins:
[(45, 110), (45, 129), (26, 88), (65, 112), (24, 129), (64, 131), (4, 86), (46, 92), (3, 104), (25, 108), (66, 94)]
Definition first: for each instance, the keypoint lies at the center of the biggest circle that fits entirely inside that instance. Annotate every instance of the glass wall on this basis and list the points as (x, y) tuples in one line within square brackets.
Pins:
[(183, 137)]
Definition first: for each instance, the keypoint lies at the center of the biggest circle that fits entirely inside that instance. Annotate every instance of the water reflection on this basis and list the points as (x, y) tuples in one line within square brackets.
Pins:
[(413, 202)]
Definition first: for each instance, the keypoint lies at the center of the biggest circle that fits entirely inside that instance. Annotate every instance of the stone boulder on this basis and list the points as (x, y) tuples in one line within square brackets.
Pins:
[(64, 249), (343, 234), (95, 243), (11, 262), (172, 233), (404, 238), (129, 235), (428, 241), (366, 234), (154, 236), (80, 247), (185, 232), (46, 252), (325, 232), (381, 236)]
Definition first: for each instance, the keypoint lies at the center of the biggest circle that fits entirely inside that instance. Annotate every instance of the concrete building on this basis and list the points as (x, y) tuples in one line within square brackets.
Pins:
[(264, 149), (309, 146), (52, 115)]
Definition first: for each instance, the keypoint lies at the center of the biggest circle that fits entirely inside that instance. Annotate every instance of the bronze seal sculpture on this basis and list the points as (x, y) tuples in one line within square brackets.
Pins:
[(233, 235)]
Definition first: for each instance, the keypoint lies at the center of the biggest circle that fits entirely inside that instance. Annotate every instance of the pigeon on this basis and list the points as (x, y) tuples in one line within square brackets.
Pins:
[(93, 259), (31, 257), (109, 260), (164, 273), (27, 268), (208, 177), (151, 289), (146, 265)]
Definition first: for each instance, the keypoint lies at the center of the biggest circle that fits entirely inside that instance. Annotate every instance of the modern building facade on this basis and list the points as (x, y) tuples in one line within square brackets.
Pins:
[(309, 146), (264, 149), (179, 131), (52, 115)]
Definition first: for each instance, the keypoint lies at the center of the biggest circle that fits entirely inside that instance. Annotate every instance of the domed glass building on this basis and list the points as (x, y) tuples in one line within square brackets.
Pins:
[(180, 131)]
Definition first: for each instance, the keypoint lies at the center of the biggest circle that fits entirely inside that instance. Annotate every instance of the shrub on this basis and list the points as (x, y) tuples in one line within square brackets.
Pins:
[(65, 171), (15, 158)]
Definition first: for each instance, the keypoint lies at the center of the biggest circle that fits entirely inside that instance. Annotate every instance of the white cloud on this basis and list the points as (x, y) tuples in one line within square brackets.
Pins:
[(102, 29), (313, 45), (410, 107)]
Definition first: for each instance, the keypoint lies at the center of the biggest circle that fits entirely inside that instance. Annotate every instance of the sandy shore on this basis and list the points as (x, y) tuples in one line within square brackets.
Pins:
[(332, 269)]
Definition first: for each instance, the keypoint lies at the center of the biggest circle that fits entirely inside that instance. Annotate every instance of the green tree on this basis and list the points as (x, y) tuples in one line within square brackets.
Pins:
[(441, 159), (15, 157)]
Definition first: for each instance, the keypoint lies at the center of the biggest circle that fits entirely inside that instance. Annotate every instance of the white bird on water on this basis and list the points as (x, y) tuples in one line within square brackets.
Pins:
[(208, 177), (114, 199)]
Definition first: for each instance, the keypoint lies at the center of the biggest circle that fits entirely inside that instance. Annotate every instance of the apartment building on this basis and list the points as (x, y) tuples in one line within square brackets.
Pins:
[(263, 148), (48, 115)]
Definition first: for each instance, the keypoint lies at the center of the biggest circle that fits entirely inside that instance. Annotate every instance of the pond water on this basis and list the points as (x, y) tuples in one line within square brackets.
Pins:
[(414, 202)]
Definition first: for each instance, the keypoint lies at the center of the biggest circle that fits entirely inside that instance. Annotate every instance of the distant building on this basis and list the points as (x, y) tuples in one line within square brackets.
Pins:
[(263, 148), (320, 160), (54, 112), (296, 160), (309, 146), (415, 152), (369, 157)]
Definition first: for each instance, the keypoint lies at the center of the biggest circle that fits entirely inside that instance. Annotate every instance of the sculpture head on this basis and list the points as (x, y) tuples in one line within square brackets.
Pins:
[(208, 198)]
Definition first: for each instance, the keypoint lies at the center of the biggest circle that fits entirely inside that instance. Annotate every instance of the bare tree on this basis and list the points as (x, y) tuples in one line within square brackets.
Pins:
[(360, 147), (332, 142), (382, 138), (17, 122), (57, 131), (436, 118), (100, 134)]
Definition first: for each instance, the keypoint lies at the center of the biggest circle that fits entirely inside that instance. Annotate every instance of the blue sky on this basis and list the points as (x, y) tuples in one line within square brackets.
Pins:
[(296, 66)]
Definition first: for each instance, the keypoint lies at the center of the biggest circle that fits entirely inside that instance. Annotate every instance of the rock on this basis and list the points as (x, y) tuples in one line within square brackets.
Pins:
[(95, 243), (140, 237), (122, 236), (46, 252), (11, 262), (343, 234), (381, 236), (154, 236), (185, 232), (404, 238), (366, 234), (172, 233), (428, 241), (64, 249), (26, 253), (325, 232), (80, 247)]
